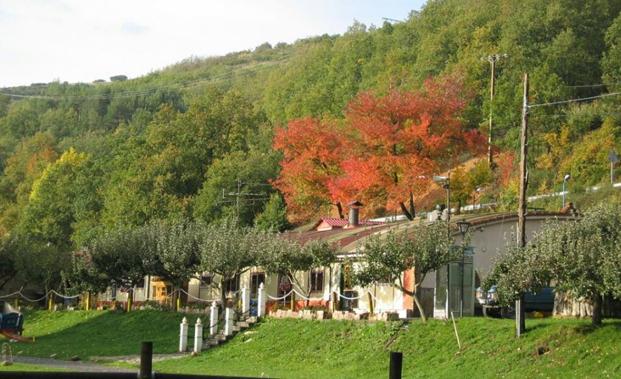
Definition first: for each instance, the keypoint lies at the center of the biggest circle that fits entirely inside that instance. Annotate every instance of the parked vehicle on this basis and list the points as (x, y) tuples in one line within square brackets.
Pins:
[(487, 302)]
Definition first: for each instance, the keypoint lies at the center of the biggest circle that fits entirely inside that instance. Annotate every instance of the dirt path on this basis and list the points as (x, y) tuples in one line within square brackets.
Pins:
[(69, 365)]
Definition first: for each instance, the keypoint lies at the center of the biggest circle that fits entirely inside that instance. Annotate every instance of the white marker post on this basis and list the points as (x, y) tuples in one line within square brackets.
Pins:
[(183, 336), (213, 322), (198, 336), (228, 322), (245, 295), (261, 301)]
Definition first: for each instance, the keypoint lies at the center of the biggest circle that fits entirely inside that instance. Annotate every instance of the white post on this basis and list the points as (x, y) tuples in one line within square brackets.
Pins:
[(198, 336), (228, 322), (245, 295), (213, 322), (261, 301), (183, 335)]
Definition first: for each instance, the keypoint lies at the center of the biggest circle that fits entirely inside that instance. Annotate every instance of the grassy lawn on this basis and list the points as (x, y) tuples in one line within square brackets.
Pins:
[(336, 349), (339, 349), (98, 333)]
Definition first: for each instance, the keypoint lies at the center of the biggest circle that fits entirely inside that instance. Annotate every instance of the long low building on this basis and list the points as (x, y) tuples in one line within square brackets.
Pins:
[(451, 289)]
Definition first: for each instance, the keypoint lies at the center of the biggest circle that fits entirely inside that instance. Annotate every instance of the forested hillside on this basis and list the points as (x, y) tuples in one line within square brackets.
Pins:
[(195, 140)]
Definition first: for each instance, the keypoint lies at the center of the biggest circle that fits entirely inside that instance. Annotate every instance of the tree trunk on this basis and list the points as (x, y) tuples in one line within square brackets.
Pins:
[(420, 307), (405, 211), (412, 209), (458, 210), (339, 208), (596, 317)]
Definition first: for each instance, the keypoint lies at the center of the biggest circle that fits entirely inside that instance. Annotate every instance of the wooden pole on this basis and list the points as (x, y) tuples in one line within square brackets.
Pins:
[(396, 365), (491, 112), (146, 360), (520, 323), (455, 329)]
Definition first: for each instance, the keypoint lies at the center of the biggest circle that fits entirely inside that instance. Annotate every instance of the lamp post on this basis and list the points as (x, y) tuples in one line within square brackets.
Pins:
[(463, 229), (565, 179)]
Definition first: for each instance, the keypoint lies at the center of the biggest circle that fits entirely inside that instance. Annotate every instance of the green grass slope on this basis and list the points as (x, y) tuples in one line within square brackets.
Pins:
[(334, 349), (98, 333)]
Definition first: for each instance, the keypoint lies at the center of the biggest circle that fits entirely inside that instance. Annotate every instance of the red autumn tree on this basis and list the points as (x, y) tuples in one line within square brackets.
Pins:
[(310, 159), (383, 154), (397, 142)]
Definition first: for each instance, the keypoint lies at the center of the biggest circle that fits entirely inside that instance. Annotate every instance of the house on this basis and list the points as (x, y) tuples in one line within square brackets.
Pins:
[(331, 287)]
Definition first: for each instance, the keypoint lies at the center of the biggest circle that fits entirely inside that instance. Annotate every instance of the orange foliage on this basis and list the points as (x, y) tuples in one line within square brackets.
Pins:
[(310, 158), (388, 148)]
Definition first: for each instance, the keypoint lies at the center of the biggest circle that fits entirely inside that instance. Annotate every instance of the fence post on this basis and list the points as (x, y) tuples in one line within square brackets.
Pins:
[(228, 322), (146, 360), (396, 365), (371, 305), (213, 319), (245, 295), (183, 335), (335, 301), (198, 336), (261, 301), (130, 297)]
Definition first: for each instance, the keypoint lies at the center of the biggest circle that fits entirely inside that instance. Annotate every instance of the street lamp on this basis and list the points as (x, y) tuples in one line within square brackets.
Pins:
[(463, 226), (565, 179)]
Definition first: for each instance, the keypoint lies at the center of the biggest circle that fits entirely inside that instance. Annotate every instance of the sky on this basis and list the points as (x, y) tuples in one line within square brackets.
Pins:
[(85, 40)]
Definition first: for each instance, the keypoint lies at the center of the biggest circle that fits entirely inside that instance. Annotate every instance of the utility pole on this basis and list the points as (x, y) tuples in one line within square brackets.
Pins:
[(492, 59), (240, 196), (520, 323)]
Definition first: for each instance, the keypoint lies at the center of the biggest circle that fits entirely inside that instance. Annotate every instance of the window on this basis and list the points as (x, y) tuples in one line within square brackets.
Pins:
[(316, 280), (256, 278), (206, 279), (284, 285), (231, 285)]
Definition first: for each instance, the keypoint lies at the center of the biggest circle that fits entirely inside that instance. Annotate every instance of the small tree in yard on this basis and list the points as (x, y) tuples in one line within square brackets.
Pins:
[(177, 251), (580, 257), (288, 258), (121, 257), (422, 248), (229, 250)]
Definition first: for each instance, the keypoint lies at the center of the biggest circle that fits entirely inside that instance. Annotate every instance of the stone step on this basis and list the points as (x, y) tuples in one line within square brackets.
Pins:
[(251, 320), (236, 328), (243, 324), (212, 342)]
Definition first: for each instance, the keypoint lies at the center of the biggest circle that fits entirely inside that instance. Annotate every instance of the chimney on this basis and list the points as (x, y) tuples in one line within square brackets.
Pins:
[(354, 214)]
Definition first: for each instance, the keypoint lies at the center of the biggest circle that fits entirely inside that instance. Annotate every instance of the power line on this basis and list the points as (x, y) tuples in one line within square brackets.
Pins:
[(180, 85), (592, 85), (574, 100)]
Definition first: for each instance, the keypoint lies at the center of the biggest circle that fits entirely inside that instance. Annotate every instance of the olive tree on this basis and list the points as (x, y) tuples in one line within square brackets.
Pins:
[(424, 248), (120, 257), (228, 250), (580, 257), (292, 260)]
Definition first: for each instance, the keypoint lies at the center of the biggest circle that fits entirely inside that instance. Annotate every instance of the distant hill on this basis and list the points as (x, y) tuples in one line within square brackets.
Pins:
[(180, 141)]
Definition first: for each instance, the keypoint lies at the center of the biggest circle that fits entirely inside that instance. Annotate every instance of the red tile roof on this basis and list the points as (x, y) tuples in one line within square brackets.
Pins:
[(341, 222)]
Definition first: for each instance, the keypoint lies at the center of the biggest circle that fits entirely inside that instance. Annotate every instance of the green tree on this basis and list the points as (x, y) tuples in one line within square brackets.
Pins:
[(424, 248), (274, 215), (580, 257)]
